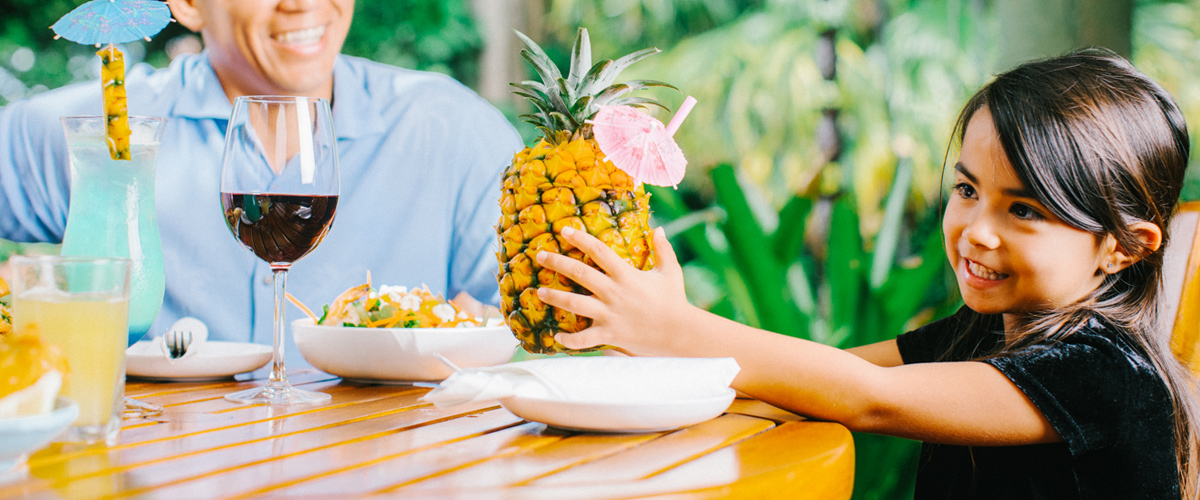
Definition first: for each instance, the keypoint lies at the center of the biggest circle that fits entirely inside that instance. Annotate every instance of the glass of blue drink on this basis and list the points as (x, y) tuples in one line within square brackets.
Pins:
[(279, 192), (112, 214)]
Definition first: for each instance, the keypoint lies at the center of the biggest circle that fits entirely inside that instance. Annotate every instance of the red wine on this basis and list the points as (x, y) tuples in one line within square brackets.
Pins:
[(278, 228)]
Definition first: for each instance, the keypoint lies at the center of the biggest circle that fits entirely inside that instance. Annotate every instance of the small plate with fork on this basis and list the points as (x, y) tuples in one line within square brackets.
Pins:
[(212, 360)]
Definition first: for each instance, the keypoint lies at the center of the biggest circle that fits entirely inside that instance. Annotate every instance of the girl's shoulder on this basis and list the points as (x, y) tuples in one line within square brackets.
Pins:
[(1098, 344), (962, 336), (1095, 386)]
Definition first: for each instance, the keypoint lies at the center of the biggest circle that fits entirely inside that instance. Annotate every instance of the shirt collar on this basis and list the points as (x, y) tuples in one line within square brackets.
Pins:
[(350, 95), (208, 100)]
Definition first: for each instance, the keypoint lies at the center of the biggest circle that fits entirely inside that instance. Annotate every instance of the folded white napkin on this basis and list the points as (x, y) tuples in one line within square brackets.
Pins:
[(598, 379), (199, 337)]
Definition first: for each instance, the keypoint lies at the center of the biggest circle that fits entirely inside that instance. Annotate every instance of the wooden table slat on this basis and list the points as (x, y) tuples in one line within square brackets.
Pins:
[(663, 453), (570, 451), (383, 439)]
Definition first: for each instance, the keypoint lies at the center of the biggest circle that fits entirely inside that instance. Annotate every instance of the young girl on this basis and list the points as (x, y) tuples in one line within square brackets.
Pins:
[(1056, 379)]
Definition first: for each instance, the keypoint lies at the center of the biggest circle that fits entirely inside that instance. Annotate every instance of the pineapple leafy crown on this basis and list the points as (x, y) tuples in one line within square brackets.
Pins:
[(565, 104)]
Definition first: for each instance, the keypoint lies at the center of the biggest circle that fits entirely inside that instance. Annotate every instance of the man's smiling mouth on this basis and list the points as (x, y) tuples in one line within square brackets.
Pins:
[(307, 36)]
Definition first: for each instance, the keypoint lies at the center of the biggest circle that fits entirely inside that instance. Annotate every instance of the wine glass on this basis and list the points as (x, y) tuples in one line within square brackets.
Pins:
[(279, 192)]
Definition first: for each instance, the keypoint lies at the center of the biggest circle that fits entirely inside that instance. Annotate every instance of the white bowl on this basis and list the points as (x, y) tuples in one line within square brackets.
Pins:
[(22, 435), (392, 355)]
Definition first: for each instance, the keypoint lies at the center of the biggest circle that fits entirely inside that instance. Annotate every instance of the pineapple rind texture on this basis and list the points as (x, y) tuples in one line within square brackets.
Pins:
[(548, 187), (565, 181)]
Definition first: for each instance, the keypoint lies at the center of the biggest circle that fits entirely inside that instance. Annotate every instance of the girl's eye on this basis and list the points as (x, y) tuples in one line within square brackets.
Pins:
[(965, 190), (1023, 211)]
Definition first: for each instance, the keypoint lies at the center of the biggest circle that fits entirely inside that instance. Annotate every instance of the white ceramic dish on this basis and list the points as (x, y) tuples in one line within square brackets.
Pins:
[(213, 360), (20, 436), (654, 416), (392, 355)]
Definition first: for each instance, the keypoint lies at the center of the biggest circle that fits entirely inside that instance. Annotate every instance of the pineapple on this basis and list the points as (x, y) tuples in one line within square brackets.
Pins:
[(565, 180), (116, 113)]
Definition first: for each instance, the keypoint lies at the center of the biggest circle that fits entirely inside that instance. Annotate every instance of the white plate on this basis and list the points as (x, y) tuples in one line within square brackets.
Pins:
[(22, 435), (213, 360), (653, 416), (400, 354)]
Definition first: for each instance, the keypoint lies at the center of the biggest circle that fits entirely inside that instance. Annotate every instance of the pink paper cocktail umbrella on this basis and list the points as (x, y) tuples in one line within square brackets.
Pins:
[(640, 145)]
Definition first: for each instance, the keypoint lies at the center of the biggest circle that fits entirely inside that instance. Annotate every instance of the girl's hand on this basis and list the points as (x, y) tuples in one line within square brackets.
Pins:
[(635, 311)]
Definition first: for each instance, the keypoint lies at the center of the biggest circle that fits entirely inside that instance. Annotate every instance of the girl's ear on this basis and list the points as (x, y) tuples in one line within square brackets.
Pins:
[(1117, 258), (186, 12)]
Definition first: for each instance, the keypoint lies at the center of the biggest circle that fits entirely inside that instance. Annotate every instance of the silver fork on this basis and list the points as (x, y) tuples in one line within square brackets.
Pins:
[(178, 342)]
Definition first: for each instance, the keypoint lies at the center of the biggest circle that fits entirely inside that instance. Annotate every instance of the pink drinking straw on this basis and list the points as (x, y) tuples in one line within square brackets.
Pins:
[(680, 115)]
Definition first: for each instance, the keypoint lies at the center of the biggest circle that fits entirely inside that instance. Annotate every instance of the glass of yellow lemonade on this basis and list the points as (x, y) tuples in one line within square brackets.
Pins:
[(80, 304)]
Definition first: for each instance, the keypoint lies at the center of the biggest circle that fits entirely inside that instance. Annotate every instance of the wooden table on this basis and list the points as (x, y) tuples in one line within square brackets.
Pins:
[(382, 439)]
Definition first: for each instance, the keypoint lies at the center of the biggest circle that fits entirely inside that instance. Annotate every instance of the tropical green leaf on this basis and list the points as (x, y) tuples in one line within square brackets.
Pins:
[(568, 95), (539, 59), (580, 110), (561, 121), (535, 120), (638, 102), (612, 92), (593, 75), (789, 237), (907, 288), (888, 237), (646, 84), (754, 256), (608, 75), (581, 58), (844, 266)]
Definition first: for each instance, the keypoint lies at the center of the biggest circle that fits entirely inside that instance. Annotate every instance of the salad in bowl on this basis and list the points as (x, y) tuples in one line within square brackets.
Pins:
[(395, 334)]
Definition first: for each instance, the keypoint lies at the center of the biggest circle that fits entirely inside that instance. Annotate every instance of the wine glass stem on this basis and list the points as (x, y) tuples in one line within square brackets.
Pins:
[(278, 377)]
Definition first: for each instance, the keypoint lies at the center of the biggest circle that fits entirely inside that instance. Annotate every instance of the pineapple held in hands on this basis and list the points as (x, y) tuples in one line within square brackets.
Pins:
[(565, 180)]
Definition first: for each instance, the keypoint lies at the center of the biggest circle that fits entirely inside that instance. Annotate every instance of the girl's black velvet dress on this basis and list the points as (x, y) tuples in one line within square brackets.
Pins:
[(1098, 390)]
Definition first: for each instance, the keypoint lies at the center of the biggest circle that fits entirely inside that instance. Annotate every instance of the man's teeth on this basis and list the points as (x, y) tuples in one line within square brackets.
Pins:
[(301, 37), (983, 272)]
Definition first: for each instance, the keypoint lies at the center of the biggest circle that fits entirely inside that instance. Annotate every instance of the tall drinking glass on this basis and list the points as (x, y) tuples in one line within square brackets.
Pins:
[(81, 305), (113, 215), (279, 191)]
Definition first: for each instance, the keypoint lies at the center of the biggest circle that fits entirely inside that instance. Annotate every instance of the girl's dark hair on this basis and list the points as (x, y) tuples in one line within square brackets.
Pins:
[(1101, 146)]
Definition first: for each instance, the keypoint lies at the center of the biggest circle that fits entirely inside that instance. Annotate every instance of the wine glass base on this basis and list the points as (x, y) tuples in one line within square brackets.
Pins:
[(135, 408), (278, 393)]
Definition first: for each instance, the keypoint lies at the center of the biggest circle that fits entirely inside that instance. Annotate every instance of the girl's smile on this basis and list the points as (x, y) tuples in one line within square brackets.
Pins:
[(1010, 254), (983, 274)]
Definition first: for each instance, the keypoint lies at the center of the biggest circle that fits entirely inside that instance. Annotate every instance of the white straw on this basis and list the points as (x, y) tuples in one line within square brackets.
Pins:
[(680, 115)]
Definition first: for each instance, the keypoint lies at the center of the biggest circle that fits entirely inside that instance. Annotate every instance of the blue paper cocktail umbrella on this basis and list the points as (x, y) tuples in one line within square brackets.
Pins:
[(113, 21)]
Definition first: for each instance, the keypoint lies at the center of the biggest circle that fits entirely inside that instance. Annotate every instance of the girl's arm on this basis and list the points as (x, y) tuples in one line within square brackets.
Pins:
[(883, 353), (646, 313)]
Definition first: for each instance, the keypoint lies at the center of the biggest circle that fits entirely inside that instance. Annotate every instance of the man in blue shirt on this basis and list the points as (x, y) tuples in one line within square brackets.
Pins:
[(421, 159)]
